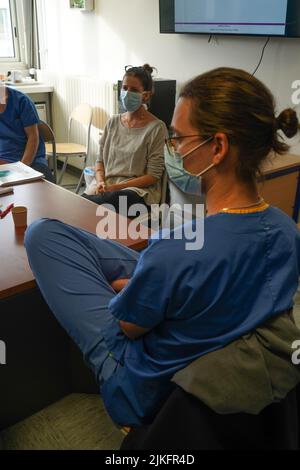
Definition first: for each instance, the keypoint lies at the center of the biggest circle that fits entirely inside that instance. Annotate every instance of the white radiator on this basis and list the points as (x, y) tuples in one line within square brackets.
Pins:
[(42, 111), (69, 92)]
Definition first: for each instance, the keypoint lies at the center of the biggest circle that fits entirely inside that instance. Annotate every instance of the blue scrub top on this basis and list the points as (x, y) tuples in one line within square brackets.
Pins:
[(199, 301), (19, 113)]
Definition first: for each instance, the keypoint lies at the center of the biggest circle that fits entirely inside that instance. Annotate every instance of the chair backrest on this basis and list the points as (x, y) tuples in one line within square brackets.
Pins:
[(46, 132), (82, 114), (48, 136)]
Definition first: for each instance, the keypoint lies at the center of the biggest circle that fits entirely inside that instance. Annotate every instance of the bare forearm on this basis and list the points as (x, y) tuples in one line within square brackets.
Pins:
[(30, 150), (141, 182), (100, 172)]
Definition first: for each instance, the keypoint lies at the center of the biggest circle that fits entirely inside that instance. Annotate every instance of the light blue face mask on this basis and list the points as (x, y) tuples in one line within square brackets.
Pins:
[(184, 180), (131, 101)]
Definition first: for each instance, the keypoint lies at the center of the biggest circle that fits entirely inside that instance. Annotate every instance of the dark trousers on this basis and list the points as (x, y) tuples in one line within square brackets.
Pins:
[(114, 199), (42, 168), (185, 423)]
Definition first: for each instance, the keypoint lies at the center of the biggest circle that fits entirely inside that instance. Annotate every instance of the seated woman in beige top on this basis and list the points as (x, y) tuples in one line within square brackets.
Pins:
[(131, 159)]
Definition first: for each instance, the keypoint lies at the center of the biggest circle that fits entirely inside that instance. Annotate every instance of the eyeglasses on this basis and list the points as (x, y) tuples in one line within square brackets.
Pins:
[(172, 142), (129, 67)]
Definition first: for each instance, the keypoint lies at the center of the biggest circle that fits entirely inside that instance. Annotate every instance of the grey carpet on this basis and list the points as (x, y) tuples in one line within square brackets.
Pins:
[(78, 422)]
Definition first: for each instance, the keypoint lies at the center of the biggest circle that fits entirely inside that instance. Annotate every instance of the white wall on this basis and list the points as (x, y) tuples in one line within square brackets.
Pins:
[(127, 32)]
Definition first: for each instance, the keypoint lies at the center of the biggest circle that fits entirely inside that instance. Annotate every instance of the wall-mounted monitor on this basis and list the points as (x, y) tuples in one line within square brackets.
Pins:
[(234, 17)]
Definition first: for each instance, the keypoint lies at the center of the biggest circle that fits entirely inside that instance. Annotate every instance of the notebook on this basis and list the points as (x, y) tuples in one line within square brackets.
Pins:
[(6, 190), (17, 173)]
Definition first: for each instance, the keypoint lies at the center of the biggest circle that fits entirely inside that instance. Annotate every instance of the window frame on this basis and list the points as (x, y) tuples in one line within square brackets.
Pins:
[(19, 38)]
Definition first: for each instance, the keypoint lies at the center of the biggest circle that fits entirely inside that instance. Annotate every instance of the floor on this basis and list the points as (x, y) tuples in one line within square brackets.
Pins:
[(78, 422), (70, 179)]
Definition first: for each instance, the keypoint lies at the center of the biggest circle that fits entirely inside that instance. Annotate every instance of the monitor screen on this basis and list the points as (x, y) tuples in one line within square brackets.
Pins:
[(234, 17)]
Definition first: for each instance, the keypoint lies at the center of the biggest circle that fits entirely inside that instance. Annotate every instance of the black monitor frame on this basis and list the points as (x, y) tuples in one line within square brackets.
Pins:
[(167, 21)]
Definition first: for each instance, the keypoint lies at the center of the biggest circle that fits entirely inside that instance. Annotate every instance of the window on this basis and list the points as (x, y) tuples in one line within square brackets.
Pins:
[(9, 50)]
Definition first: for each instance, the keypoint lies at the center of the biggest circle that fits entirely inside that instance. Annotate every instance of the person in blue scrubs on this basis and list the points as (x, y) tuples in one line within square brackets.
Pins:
[(19, 134), (139, 318)]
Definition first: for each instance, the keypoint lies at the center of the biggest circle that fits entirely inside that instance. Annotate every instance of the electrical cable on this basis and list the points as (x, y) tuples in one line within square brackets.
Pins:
[(262, 56)]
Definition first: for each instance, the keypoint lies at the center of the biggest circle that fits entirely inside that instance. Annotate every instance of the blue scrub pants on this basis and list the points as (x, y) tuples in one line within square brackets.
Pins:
[(74, 269)]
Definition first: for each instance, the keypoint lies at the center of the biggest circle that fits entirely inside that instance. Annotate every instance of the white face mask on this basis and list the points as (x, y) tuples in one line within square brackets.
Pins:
[(184, 180)]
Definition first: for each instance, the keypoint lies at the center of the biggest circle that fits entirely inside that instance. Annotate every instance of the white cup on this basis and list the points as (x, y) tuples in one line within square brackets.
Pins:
[(16, 76)]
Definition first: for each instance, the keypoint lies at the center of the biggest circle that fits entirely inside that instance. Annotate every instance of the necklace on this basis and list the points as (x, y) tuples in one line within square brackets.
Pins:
[(137, 121), (131, 124), (260, 202)]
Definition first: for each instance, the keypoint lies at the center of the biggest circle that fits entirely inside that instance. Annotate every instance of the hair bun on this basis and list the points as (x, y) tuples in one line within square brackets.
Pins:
[(148, 68), (288, 122)]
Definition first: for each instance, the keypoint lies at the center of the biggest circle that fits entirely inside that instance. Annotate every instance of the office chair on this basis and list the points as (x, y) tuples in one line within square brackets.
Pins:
[(48, 136), (82, 114)]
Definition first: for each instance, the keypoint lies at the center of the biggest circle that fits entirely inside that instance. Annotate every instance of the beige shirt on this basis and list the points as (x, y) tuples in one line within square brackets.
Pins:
[(128, 153)]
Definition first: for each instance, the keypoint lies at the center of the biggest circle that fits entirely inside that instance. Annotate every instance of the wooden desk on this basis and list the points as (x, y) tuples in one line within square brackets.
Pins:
[(44, 199), (43, 364), (281, 187)]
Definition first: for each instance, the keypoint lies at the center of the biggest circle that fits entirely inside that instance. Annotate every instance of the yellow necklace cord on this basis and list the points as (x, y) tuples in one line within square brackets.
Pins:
[(259, 208)]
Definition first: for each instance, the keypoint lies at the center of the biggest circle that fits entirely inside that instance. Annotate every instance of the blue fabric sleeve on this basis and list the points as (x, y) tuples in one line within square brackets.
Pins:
[(298, 249), (28, 112), (144, 301)]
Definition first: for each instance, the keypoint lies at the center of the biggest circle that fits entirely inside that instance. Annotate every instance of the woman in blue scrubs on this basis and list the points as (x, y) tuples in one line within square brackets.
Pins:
[(19, 134), (139, 318)]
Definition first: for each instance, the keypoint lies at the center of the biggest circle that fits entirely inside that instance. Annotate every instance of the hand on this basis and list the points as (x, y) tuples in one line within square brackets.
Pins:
[(119, 284), (101, 187), (112, 188)]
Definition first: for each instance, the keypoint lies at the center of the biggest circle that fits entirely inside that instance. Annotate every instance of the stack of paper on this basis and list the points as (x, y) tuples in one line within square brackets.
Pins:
[(17, 173), (6, 190)]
